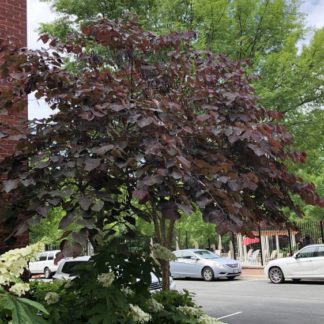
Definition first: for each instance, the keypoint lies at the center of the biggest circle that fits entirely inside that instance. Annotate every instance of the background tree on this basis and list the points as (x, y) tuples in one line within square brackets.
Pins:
[(266, 33), (47, 230), (157, 123), (194, 231)]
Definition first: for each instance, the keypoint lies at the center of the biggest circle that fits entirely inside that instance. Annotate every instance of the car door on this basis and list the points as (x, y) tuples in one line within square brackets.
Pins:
[(318, 262), (303, 266), (185, 265), (175, 266), (50, 261), (37, 266)]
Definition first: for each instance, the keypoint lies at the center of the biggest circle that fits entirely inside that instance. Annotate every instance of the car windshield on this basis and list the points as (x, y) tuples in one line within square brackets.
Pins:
[(206, 254), (71, 267)]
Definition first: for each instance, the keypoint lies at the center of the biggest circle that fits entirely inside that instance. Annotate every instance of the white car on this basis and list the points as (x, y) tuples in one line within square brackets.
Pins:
[(44, 264), (307, 263), (65, 271)]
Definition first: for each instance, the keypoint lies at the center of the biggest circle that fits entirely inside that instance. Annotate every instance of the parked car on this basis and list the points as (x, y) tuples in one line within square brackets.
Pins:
[(307, 263), (196, 263), (44, 264), (65, 271)]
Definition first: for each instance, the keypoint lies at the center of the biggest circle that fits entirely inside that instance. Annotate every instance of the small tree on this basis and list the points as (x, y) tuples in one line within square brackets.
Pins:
[(156, 123)]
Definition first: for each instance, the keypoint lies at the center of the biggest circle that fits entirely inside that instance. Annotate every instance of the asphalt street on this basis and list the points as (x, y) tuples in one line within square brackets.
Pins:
[(256, 301)]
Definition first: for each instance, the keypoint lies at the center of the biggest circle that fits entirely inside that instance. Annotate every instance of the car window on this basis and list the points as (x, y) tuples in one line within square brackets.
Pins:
[(319, 252), (187, 255), (206, 254), (42, 257), (50, 256), (69, 267), (307, 252)]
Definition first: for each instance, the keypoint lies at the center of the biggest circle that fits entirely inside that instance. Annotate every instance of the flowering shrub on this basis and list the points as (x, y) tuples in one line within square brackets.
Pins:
[(154, 306), (106, 279), (118, 296), (52, 298), (138, 315), (178, 307), (13, 307), (12, 265), (205, 319), (190, 311)]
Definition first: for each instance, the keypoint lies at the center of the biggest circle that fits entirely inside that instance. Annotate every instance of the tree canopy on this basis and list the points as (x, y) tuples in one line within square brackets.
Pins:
[(158, 122), (268, 34)]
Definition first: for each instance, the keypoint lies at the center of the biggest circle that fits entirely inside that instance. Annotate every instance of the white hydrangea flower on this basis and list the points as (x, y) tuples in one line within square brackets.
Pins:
[(205, 319), (106, 279), (138, 315), (26, 251), (154, 306), (127, 291), (52, 298), (19, 288), (12, 265), (190, 311), (161, 252)]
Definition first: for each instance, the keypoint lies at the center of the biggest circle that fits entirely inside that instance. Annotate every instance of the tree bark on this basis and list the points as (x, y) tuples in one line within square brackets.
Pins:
[(165, 269)]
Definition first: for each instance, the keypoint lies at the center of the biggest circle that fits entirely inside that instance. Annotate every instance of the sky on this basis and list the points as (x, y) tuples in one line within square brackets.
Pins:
[(40, 12)]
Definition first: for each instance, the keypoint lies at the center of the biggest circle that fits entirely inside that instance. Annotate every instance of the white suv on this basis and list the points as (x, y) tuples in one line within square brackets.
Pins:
[(44, 264)]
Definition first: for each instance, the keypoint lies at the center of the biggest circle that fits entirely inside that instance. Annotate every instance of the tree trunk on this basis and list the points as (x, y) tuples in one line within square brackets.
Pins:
[(165, 268), (164, 229)]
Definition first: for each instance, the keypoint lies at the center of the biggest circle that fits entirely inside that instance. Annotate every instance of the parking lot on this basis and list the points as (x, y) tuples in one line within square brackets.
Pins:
[(256, 300)]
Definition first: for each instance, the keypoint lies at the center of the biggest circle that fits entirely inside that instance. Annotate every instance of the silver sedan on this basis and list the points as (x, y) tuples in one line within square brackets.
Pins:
[(196, 263)]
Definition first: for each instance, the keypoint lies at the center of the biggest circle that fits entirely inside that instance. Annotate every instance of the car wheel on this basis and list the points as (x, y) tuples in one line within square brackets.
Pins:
[(208, 274), (276, 275), (47, 273)]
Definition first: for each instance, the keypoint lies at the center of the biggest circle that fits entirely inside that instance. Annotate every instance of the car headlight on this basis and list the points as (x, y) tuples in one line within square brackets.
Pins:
[(220, 266)]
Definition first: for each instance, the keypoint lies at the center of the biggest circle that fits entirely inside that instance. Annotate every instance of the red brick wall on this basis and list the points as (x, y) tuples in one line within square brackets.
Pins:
[(13, 24), (13, 20)]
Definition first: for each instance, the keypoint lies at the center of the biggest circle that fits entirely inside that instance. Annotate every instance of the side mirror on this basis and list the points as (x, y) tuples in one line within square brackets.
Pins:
[(296, 256), (194, 258)]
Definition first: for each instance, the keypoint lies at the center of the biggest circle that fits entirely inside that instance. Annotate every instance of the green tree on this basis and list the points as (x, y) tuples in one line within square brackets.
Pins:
[(47, 230), (264, 32), (192, 229)]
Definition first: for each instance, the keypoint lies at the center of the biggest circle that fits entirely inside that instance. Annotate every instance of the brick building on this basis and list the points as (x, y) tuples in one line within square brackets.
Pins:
[(13, 24)]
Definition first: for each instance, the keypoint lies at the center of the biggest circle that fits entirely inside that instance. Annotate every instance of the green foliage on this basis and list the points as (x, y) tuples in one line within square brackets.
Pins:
[(266, 33), (195, 230), (314, 212), (174, 298), (20, 310), (82, 10), (117, 301), (171, 300), (47, 230), (72, 298), (57, 312)]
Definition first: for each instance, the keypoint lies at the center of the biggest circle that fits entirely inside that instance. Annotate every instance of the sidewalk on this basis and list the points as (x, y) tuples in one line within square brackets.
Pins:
[(256, 273)]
